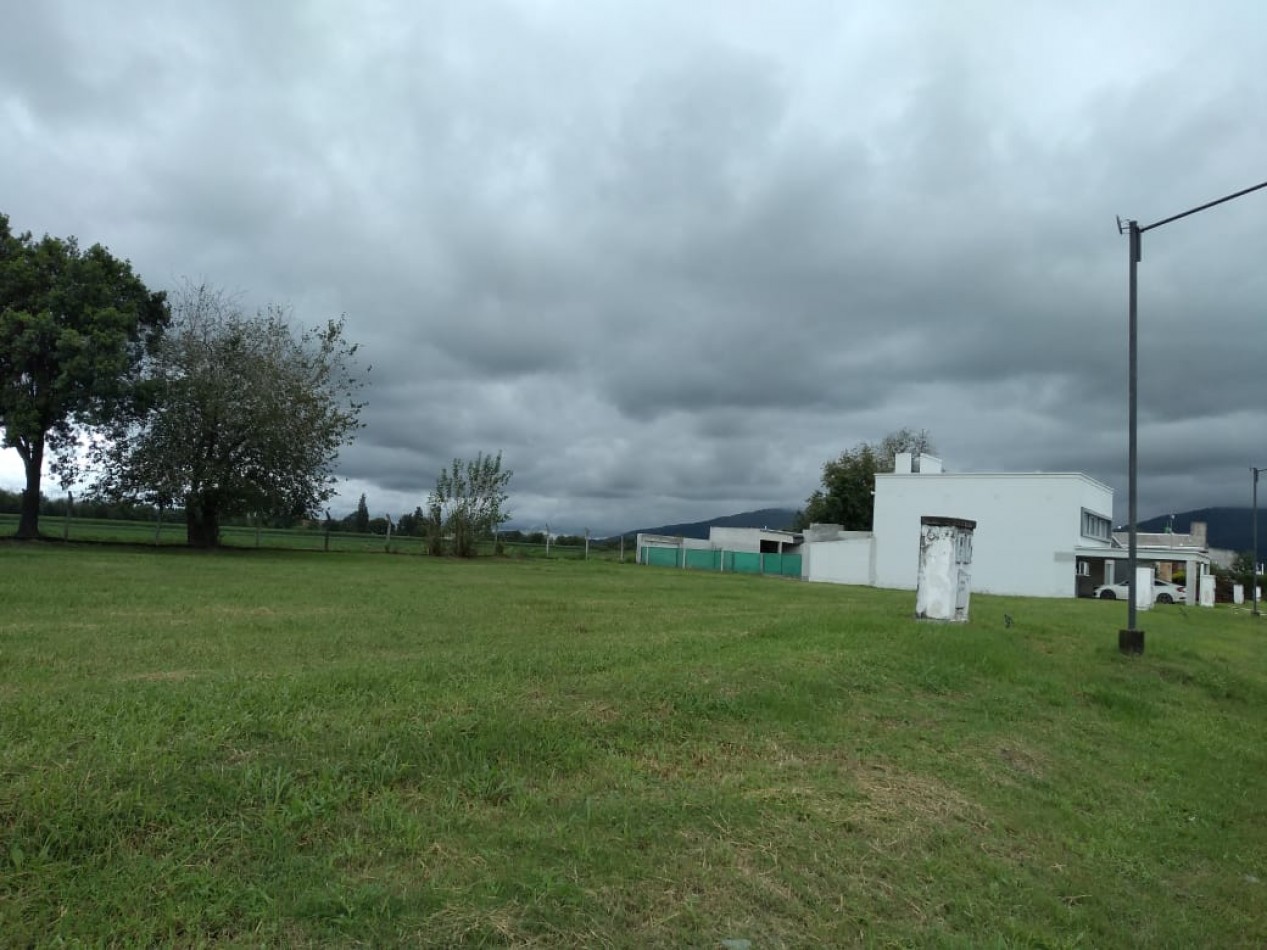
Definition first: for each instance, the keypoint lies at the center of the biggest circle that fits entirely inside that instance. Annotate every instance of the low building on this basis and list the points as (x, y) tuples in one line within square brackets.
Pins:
[(736, 550), (1170, 554), (754, 540)]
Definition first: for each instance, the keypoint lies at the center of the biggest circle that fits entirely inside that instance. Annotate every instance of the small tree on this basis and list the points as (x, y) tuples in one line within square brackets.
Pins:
[(435, 526), (468, 502), (847, 493), (411, 524), (361, 523), (1243, 569), (249, 416)]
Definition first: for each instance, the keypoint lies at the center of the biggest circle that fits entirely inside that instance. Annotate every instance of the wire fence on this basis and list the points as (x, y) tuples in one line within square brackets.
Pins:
[(172, 534)]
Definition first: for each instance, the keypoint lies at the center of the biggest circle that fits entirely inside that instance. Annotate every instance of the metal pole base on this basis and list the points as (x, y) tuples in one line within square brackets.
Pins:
[(1130, 642)]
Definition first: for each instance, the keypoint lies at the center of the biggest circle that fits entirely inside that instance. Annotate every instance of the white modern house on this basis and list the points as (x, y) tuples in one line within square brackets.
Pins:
[(1037, 534)]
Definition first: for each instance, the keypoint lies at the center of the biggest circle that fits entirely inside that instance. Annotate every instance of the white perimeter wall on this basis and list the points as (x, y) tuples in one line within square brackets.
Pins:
[(749, 539), (735, 539), (848, 560), (1027, 527)]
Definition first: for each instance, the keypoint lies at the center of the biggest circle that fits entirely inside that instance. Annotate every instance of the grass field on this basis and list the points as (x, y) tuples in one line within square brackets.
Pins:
[(286, 748)]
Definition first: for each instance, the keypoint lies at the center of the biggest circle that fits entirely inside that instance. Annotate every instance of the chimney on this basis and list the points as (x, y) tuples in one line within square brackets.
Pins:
[(929, 465), (1196, 531), (902, 463)]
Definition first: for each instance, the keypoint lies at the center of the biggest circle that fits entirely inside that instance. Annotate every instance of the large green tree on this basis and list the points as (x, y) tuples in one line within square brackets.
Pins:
[(249, 416), (847, 493), (75, 328)]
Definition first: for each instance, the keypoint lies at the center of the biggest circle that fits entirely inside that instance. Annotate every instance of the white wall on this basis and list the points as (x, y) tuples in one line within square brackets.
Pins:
[(1027, 527), (735, 539), (847, 560)]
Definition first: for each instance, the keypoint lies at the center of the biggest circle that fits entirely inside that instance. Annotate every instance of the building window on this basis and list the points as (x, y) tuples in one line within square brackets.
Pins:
[(1096, 526)]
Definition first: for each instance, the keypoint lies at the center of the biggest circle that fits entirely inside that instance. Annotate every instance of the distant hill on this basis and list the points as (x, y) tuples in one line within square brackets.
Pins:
[(1229, 528), (776, 519)]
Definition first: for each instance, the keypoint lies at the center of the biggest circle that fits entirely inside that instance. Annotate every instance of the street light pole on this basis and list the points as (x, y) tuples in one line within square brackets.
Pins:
[(1253, 567), (1131, 640)]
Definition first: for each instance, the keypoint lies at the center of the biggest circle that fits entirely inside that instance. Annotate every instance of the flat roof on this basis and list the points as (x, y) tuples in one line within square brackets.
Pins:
[(1152, 553), (935, 475)]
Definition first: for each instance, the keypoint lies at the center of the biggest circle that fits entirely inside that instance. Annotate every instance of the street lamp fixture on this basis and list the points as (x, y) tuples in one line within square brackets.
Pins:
[(1131, 640)]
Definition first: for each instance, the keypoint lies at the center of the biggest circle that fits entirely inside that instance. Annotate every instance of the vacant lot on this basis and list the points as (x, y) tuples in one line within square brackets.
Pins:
[(286, 748)]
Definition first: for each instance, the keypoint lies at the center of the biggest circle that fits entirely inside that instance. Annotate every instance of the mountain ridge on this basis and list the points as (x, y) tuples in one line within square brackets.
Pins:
[(776, 519)]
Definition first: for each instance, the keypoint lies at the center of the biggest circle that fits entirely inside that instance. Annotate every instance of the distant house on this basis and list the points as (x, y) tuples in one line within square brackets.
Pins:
[(737, 550), (1170, 551), (1176, 544)]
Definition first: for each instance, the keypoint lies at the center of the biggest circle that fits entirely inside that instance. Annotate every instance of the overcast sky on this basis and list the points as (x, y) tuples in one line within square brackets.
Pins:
[(670, 257)]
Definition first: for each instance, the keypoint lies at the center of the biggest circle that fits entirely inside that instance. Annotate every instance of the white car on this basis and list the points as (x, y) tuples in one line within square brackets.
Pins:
[(1164, 592)]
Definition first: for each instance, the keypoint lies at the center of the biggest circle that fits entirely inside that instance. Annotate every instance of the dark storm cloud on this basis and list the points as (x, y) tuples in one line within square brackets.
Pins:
[(670, 258)]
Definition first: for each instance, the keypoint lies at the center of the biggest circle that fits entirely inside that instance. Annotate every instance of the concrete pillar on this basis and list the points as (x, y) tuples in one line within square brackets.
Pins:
[(1191, 582), (1238, 594), (1207, 590), (1143, 588), (945, 569)]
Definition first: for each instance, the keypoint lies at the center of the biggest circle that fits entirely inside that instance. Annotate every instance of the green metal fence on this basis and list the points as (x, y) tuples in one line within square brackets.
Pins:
[(730, 562), (662, 557)]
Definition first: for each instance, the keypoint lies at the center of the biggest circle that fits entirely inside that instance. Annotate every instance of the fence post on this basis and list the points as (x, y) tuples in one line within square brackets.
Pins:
[(327, 538), (70, 500), (587, 544), (547, 539), (622, 549), (388, 545), (158, 525)]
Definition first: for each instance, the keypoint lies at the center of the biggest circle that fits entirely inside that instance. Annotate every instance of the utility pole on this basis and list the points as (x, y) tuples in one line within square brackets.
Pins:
[(1253, 567), (1131, 640)]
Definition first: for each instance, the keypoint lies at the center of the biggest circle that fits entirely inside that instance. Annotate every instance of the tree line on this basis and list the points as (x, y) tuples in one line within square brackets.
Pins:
[(184, 403), (87, 507)]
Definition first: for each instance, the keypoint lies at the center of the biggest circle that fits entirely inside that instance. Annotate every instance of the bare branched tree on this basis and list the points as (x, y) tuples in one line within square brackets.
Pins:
[(247, 415)]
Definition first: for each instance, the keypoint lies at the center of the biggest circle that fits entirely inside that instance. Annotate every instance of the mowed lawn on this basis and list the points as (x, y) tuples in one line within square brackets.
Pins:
[(305, 749)]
